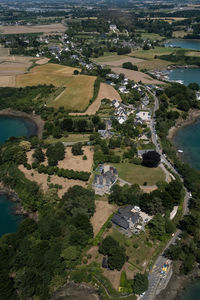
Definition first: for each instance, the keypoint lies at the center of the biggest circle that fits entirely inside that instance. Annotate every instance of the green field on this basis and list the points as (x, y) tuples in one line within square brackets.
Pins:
[(76, 90), (151, 36), (109, 56), (138, 249), (139, 174), (72, 138), (149, 54)]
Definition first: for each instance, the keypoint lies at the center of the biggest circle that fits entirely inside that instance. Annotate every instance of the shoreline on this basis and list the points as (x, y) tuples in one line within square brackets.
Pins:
[(18, 208), (20, 114), (178, 285), (192, 117)]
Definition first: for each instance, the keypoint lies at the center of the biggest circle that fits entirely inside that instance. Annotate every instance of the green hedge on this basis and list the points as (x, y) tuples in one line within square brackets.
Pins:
[(70, 174)]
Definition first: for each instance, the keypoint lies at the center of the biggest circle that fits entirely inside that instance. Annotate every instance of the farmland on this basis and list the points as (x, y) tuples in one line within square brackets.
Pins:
[(136, 76), (78, 90), (58, 28), (105, 91)]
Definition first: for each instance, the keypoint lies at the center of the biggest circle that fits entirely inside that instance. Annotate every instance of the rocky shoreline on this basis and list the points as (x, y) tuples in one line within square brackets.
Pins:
[(12, 196), (193, 116), (177, 285), (33, 117)]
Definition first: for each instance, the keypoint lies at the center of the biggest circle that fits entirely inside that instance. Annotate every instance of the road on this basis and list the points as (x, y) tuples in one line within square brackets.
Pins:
[(155, 275)]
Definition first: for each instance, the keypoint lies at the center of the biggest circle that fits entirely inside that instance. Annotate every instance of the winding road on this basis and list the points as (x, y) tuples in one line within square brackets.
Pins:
[(155, 275)]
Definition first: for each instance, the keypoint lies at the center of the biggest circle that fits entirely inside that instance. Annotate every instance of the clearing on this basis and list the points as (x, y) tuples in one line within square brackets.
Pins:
[(71, 138), (149, 61), (57, 27), (136, 76), (119, 60), (102, 213), (139, 174), (138, 248), (70, 161), (105, 91), (78, 89)]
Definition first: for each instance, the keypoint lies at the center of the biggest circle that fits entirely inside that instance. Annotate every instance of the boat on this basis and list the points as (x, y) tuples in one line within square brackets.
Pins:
[(180, 151)]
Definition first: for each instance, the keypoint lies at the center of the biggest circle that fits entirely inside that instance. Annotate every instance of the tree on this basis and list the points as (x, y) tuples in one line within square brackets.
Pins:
[(39, 155), (129, 65), (151, 159), (140, 283), (157, 226), (117, 258), (55, 152), (67, 124), (76, 72), (193, 86), (107, 245), (77, 149)]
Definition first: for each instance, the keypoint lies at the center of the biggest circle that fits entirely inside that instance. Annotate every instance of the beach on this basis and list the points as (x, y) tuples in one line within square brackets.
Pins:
[(33, 117)]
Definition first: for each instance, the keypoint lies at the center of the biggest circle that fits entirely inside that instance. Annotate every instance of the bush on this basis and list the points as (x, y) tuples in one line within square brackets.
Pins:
[(77, 149)]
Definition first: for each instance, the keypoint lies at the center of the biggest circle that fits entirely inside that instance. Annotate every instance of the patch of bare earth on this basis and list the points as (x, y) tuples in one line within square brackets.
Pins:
[(103, 211), (118, 63), (105, 91), (75, 163), (7, 81), (136, 76), (41, 179), (114, 277), (42, 61)]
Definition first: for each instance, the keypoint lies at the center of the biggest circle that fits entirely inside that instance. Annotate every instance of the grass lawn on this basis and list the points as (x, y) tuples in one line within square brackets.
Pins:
[(139, 174), (149, 54), (138, 249), (70, 138), (77, 92), (179, 34), (151, 36), (109, 56)]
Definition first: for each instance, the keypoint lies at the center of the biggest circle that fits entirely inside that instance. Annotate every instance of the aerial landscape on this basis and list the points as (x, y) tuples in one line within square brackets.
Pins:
[(100, 150)]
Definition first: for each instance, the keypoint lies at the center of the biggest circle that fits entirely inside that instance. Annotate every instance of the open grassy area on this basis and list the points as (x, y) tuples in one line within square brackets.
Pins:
[(149, 54), (151, 36), (150, 62), (71, 138), (109, 56), (179, 34), (139, 174), (138, 248), (78, 90)]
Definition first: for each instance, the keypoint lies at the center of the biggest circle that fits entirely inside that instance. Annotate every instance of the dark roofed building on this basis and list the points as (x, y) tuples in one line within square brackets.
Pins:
[(126, 218)]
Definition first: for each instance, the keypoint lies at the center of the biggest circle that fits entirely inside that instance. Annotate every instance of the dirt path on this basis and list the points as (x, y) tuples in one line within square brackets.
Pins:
[(105, 91)]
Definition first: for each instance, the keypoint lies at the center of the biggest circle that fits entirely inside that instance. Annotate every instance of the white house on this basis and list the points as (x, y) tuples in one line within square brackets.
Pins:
[(144, 116)]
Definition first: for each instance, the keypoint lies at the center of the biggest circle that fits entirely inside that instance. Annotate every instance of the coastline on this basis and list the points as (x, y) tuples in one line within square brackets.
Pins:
[(18, 208), (192, 117), (20, 114), (177, 285)]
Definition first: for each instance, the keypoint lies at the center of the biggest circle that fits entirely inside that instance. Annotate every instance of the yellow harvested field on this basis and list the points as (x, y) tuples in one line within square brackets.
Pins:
[(78, 88), (71, 161), (42, 61), (103, 211), (105, 91), (75, 163), (41, 179), (57, 27), (137, 76), (7, 81)]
